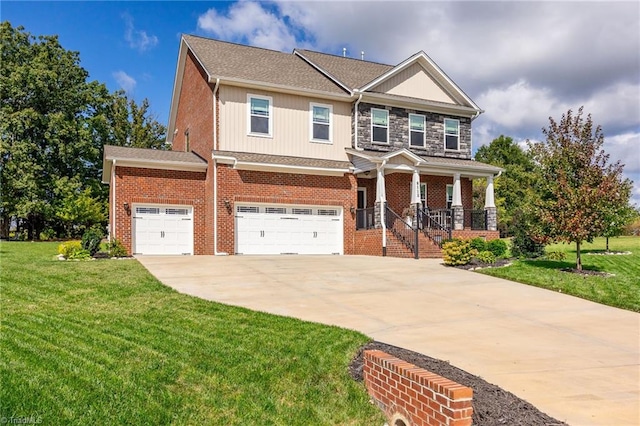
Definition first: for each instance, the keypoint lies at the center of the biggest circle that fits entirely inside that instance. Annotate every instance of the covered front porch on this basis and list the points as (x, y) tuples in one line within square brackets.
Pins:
[(420, 201)]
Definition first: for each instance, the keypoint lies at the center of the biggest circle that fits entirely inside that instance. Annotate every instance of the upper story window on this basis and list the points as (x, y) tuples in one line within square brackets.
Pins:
[(260, 115), (379, 125), (451, 134), (416, 130), (321, 122)]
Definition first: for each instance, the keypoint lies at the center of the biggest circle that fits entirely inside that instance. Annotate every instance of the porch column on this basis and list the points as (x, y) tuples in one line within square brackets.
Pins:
[(490, 206), (414, 208), (456, 203), (381, 197)]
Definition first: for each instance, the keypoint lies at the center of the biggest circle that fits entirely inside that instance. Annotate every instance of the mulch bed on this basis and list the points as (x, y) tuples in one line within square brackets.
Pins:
[(476, 264), (492, 406), (586, 272)]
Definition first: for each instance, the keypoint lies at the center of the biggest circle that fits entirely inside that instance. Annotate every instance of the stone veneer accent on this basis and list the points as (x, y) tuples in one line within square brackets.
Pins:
[(399, 132)]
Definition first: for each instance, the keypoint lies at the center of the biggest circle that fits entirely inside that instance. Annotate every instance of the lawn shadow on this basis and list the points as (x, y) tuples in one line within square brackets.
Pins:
[(557, 264)]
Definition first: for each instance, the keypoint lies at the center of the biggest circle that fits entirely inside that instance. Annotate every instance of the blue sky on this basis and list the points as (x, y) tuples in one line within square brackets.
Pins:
[(520, 61)]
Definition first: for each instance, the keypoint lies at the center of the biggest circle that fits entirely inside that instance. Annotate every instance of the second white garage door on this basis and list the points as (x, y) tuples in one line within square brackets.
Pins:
[(286, 229)]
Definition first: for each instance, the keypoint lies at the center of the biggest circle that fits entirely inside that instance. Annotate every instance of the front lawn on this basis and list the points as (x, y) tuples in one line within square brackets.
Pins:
[(103, 342), (621, 290)]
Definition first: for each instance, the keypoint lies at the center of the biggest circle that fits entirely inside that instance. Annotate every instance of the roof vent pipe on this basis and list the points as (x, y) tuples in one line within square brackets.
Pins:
[(362, 55), (344, 52)]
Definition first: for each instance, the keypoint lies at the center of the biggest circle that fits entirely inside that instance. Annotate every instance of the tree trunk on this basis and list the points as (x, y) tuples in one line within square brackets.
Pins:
[(5, 225), (578, 259), (607, 249)]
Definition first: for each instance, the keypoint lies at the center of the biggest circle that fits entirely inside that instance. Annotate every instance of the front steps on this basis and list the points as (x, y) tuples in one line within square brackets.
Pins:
[(427, 249)]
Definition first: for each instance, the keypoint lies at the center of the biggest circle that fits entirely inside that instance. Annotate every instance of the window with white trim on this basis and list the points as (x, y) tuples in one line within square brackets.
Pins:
[(417, 125), (449, 196), (451, 134), (321, 116), (379, 125), (260, 120)]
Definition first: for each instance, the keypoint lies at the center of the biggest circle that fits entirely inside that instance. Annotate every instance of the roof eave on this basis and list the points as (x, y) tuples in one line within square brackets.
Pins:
[(259, 85), (422, 104)]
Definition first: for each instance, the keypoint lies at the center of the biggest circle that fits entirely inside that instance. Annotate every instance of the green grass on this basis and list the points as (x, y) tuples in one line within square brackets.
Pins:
[(621, 290), (104, 342)]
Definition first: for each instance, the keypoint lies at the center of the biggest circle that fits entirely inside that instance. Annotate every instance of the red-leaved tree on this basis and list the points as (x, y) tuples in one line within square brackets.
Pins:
[(579, 187)]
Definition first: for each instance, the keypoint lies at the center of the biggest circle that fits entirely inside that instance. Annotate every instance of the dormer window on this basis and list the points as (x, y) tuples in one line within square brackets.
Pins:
[(379, 125), (260, 115), (451, 134), (416, 130)]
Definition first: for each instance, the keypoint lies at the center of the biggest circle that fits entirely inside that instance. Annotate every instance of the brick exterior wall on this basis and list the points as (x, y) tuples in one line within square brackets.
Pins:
[(413, 395), (368, 242), (166, 187), (399, 132), (282, 188)]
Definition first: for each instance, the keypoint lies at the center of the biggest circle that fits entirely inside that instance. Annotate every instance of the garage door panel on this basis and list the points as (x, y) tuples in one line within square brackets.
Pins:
[(162, 230), (286, 229)]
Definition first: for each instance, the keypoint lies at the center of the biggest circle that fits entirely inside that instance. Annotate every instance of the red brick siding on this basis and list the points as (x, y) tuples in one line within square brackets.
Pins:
[(370, 184), (283, 188), (421, 397), (437, 191), (155, 186), (368, 242)]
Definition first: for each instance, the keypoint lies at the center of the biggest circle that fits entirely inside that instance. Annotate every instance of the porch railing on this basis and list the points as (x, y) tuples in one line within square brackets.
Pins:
[(365, 218), (403, 231), (475, 219), (435, 224)]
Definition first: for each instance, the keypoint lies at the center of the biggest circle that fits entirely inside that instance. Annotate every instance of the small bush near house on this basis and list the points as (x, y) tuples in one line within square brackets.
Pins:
[(91, 240), (486, 257), (478, 244), (73, 250), (556, 255), (497, 247), (116, 249), (457, 252)]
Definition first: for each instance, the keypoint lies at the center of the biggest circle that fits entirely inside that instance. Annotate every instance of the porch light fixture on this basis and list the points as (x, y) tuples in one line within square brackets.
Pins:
[(352, 210), (227, 204)]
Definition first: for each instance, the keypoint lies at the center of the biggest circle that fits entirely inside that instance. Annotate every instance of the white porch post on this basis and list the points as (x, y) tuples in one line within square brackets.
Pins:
[(381, 199), (456, 203), (490, 206)]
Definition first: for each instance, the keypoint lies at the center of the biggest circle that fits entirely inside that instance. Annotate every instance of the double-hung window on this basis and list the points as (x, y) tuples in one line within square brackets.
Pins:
[(321, 123), (451, 134), (260, 115), (379, 125), (416, 130)]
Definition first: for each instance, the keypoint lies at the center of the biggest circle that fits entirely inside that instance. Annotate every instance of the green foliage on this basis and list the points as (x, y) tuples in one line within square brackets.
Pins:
[(497, 247), (116, 249), (72, 250), (512, 186), (478, 244), (580, 194), (486, 257), (555, 255), (91, 240), (522, 244), (458, 252), (47, 234)]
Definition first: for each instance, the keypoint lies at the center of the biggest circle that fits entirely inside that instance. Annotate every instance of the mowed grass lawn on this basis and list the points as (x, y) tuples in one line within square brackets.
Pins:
[(103, 342), (621, 290)]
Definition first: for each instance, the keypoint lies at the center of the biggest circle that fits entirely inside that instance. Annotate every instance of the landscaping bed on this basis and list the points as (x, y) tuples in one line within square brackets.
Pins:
[(492, 405)]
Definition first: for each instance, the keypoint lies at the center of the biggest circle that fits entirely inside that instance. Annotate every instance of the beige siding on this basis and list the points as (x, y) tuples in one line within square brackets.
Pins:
[(291, 123), (415, 82)]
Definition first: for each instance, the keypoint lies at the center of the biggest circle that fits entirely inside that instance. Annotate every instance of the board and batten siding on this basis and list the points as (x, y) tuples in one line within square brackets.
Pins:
[(416, 83), (291, 134)]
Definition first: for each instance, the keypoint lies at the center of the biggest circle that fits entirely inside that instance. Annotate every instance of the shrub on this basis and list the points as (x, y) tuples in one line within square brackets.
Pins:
[(73, 250), (116, 249), (91, 240), (457, 252), (556, 255), (497, 247), (479, 244), (47, 234), (486, 257)]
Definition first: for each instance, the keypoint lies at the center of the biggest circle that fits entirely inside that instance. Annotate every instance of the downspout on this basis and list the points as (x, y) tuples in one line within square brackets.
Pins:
[(215, 173), (355, 123), (112, 235), (383, 208)]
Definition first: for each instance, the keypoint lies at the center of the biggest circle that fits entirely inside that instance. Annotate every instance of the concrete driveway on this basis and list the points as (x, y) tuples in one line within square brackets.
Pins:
[(576, 360)]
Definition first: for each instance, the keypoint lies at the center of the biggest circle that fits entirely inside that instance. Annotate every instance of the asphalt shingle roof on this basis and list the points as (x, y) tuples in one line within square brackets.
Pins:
[(125, 153), (444, 161), (353, 73), (235, 61), (249, 157)]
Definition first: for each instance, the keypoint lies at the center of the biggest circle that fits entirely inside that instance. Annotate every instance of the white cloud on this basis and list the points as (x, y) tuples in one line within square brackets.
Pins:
[(125, 81), (249, 22), (137, 39)]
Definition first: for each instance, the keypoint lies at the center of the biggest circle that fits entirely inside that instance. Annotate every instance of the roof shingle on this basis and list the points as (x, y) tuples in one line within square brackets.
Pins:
[(112, 152)]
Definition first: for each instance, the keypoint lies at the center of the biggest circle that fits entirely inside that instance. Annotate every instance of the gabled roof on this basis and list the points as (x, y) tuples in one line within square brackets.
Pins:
[(353, 73), (230, 61), (149, 158)]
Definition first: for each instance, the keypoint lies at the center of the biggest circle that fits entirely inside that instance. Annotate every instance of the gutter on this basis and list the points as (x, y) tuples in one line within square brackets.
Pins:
[(215, 115), (112, 235), (215, 209)]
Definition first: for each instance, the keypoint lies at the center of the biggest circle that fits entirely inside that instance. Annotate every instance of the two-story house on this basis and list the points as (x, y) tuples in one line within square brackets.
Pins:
[(304, 153)]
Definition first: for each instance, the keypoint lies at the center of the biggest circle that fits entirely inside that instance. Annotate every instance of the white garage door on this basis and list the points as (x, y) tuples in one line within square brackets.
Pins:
[(284, 229), (162, 230)]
